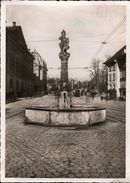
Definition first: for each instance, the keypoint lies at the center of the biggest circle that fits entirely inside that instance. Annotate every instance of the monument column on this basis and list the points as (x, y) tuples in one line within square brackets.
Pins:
[(64, 101), (64, 56)]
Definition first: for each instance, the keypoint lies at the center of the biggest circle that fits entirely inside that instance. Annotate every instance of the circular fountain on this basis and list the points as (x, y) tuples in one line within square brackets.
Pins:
[(65, 113), (72, 116)]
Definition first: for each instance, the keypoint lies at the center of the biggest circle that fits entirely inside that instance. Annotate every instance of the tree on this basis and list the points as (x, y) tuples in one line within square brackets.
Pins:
[(98, 76), (103, 79), (94, 69)]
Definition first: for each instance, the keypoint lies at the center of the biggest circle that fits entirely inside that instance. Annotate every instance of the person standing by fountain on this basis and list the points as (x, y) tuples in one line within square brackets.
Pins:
[(64, 101)]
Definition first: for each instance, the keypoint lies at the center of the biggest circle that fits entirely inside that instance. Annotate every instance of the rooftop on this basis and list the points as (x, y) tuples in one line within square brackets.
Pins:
[(121, 53)]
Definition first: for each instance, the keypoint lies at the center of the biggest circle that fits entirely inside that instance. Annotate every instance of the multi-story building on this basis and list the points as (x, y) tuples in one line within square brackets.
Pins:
[(40, 73), (117, 74), (122, 67), (19, 64)]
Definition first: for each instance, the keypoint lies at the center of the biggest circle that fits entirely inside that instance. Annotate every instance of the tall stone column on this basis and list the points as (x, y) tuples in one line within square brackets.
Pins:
[(64, 101), (64, 56)]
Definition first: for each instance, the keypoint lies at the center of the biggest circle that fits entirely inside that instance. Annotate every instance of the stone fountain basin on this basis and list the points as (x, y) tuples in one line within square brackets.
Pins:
[(77, 115)]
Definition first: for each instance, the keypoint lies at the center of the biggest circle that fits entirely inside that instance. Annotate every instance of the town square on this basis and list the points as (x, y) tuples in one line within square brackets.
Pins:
[(65, 152), (65, 91)]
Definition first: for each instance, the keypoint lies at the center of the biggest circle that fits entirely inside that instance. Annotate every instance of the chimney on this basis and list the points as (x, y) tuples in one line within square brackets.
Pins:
[(14, 24)]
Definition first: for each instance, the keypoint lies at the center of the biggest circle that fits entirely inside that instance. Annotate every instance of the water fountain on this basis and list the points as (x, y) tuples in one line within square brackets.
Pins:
[(65, 113)]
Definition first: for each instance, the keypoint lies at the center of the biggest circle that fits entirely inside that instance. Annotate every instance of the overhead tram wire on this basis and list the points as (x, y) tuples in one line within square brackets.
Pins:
[(53, 40), (42, 40), (116, 36), (58, 68), (115, 29), (103, 43), (75, 40)]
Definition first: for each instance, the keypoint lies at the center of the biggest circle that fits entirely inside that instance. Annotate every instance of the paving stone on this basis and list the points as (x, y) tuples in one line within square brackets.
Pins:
[(44, 152)]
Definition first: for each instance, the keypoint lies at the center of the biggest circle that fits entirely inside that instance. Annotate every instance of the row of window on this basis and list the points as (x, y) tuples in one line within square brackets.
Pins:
[(112, 68), (123, 74), (20, 86), (123, 85), (20, 68), (112, 86), (112, 77)]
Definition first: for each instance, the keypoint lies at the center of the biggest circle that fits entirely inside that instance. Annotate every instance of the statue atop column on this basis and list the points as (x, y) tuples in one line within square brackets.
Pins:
[(64, 56), (64, 101)]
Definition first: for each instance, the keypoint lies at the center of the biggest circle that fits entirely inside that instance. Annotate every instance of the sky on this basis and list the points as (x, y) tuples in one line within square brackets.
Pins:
[(86, 26)]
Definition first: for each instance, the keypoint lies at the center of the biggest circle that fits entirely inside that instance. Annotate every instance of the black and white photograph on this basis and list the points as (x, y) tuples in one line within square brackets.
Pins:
[(64, 75)]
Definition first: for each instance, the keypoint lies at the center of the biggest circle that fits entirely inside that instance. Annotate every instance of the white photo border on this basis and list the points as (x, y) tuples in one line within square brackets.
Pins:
[(3, 76)]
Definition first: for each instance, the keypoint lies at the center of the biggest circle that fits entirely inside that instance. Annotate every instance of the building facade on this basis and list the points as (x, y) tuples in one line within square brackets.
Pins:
[(19, 64), (116, 65), (39, 74)]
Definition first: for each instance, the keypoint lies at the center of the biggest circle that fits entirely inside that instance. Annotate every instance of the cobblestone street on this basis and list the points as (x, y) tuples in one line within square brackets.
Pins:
[(97, 151)]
